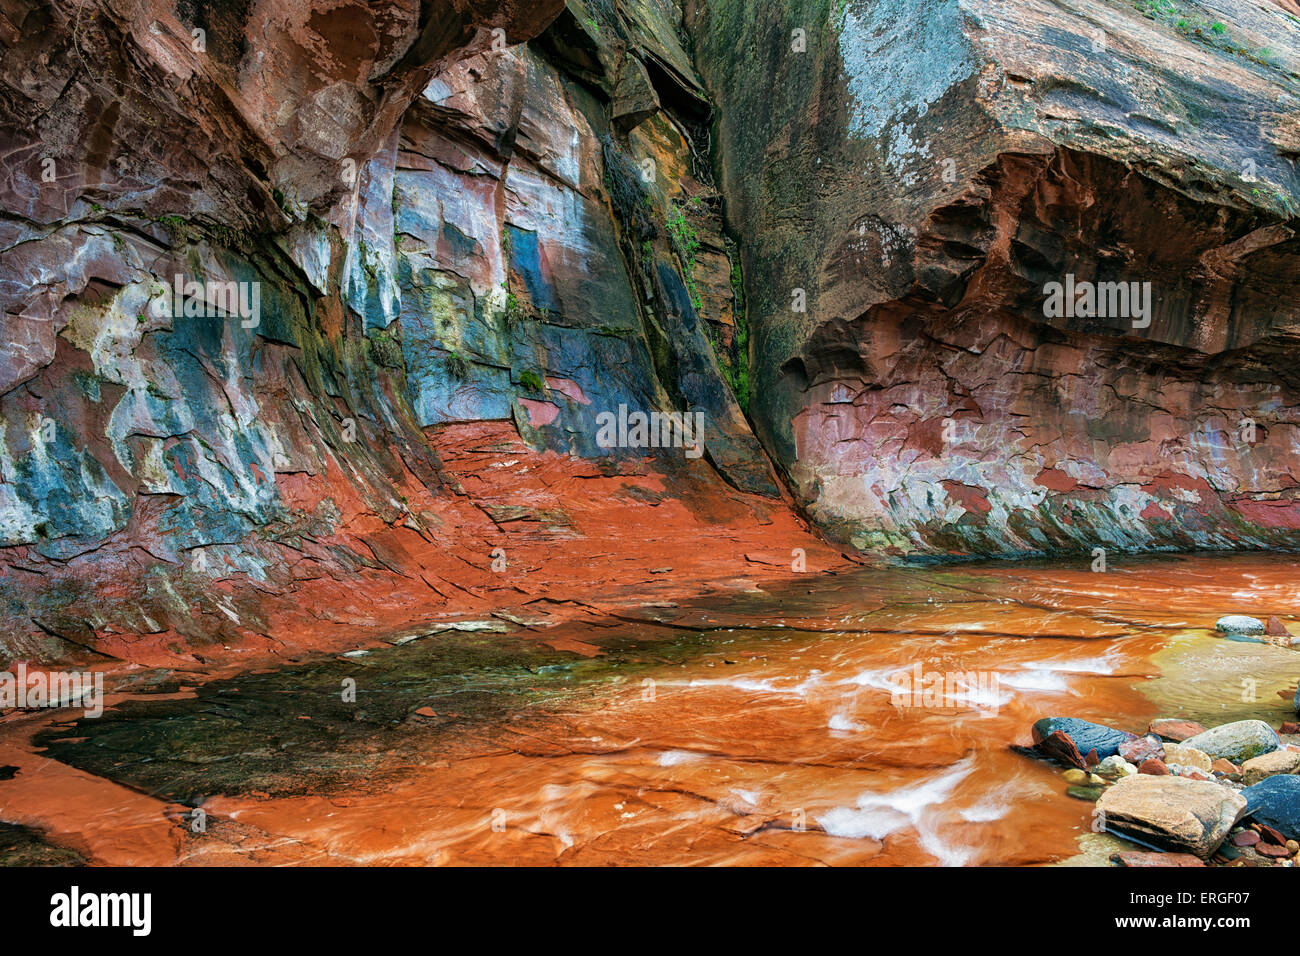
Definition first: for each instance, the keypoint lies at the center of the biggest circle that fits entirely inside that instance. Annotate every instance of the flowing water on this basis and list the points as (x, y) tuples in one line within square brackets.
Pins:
[(758, 726)]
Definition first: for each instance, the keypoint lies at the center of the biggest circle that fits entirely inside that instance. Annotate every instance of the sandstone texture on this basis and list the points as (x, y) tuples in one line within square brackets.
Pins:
[(908, 178), (1171, 813), (474, 229)]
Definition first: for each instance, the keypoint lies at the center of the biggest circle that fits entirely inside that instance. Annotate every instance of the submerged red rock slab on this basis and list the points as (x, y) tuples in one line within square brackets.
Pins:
[(762, 726)]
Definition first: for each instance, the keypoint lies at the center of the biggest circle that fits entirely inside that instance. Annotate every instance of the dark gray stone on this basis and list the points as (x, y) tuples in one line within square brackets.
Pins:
[(1276, 802)]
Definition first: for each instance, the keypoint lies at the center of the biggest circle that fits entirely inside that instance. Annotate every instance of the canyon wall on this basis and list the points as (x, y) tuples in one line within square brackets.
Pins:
[(909, 179), (426, 256), (312, 313)]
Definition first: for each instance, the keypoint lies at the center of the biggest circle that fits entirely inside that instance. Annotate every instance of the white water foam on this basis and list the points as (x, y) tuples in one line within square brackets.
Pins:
[(986, 811), (843, 722), (881, 679), (762, 686), (671, 758), (879, 814), (1040, 680)]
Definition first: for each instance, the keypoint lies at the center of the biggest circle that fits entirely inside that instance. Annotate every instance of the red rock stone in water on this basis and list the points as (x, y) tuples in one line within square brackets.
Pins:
[(1155, 768), (1059, 745), (1268, 849), (1245, 838), (1092, 759), (1138, 858), (1289, 727), (1271, 835), (1224, 766), (1276, 628), (1144, 748), (1171, 728)]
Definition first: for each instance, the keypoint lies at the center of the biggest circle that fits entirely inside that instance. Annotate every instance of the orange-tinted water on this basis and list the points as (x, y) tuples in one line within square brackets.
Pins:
[(763, 729)]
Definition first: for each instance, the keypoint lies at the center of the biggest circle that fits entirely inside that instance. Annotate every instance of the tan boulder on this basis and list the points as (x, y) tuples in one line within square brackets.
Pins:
[(1171, 813), (1269, 765)]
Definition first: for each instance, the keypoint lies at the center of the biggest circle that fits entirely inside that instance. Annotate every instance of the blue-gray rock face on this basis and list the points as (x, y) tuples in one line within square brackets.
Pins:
[(508, 246), (1276, 802), (1085, 735), (474, 257)]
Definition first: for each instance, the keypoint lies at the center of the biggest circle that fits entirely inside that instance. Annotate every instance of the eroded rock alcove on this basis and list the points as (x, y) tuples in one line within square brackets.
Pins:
[(477, 226)]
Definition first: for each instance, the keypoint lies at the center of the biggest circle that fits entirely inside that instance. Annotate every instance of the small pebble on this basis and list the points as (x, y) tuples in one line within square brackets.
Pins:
[(1116, 766), (1081, 778), (1085, 793)]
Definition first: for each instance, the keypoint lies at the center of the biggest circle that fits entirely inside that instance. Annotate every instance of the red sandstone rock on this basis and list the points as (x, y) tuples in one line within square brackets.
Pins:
[(1245, 838), (1224, 766), (857, 390), (1144, 748), (1172, 728), (1267, 833), (257, 123), (1276, 628), (1155, 768), (1060, 745)]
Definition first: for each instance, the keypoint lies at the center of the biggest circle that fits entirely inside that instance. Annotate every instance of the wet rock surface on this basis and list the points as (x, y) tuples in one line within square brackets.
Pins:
[(1171, 812), (1275, 802), (23, 846), (1260, 768), (1175, 730), (472, 230), (1238, 741), (1141, 749), (447, 225), (1239, 624), (1071, 738), (908, 377)]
